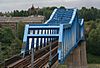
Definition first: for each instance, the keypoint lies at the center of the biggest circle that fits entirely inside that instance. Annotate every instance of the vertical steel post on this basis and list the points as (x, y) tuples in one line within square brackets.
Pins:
[(32, 58), (50, 60), (61, 42), (32, 55), (44, 38), (41, 39), (37, 41)]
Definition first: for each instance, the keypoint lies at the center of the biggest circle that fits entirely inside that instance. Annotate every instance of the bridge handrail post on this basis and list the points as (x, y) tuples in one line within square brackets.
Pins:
[(32, 57), (50, 58)]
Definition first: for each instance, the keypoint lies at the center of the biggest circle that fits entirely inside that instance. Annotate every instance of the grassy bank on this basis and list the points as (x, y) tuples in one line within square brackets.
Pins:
[(92, 59), (93, 65)]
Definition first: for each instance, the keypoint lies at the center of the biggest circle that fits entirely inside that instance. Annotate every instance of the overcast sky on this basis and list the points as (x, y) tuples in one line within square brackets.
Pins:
[(10, 5)]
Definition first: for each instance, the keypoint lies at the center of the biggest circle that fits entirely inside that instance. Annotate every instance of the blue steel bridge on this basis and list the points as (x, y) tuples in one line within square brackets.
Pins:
[(63, 26)]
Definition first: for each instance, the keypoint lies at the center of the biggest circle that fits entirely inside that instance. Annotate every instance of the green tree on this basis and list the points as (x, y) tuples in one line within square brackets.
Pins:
[(1, 14), (6, 39), (94, 41), (89, 13), (20, 30), (6, 35)]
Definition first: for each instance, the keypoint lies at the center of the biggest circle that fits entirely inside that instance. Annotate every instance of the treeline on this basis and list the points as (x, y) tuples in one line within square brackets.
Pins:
[(86, 13), (89, 13), (45, 11)]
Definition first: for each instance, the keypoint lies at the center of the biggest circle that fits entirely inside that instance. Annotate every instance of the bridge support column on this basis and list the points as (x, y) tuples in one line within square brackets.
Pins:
[(69, 61), (77, 59), (83, 55), (74, 61)]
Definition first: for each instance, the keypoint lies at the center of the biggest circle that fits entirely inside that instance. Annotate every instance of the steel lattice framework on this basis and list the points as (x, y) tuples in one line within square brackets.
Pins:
[(63, 25)]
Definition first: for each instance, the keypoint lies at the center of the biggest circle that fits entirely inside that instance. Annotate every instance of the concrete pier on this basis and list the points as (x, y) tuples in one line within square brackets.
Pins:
[(83, 55), (77, 59)]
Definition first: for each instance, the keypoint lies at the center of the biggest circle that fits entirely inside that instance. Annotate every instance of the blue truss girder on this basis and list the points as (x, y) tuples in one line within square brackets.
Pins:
[(63, 25)]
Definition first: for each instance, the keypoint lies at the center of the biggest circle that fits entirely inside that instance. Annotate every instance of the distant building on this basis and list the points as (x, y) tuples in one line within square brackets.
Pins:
[(33, 10), (13, 21)]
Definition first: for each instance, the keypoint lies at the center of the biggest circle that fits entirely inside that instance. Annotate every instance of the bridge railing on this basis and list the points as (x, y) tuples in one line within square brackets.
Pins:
[(38, 35)]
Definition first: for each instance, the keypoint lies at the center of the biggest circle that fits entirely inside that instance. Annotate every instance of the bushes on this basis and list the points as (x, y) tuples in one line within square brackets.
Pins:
[(9, 44), (93, 41), (93, 59)]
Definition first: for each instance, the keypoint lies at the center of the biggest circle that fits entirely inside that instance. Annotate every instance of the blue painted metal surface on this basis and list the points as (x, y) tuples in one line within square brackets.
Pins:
[(63, 25)]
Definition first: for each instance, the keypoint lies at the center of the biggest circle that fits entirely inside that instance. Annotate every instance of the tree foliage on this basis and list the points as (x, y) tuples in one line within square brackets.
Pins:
[(93, 41), (89, 13), (6, 35), (20, 30), (9, 44), (92, 34)]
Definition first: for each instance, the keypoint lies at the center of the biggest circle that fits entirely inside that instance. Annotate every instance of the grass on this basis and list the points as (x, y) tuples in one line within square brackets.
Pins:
[(62, 66), (93, 65), (89, 66)]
